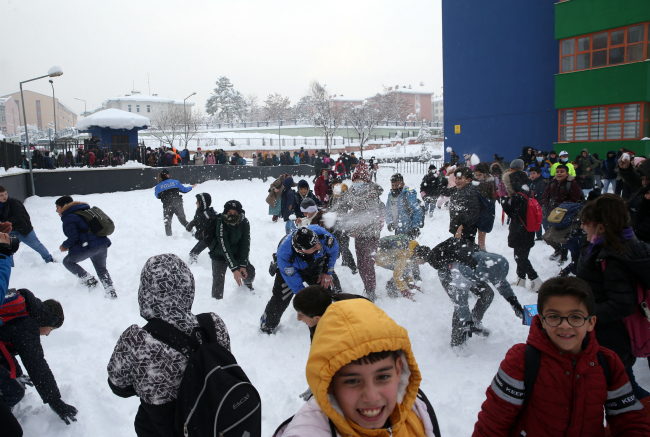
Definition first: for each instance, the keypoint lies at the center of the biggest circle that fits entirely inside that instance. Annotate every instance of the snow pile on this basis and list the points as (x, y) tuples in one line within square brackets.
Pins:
[(114, 119), (79, 351)]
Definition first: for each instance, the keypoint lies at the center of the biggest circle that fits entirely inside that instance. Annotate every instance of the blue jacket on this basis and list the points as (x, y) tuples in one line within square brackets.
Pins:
[(405, 222), (5, 273), (80, 239), (291, 265), (609, 166), (288, 198), (544, 166), (168, 185)]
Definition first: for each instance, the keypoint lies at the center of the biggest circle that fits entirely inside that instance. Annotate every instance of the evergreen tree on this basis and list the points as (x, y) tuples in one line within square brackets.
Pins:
[(226, 103)]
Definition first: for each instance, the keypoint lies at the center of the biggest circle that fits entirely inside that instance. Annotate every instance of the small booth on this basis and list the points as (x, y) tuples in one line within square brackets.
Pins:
[(113, 128)]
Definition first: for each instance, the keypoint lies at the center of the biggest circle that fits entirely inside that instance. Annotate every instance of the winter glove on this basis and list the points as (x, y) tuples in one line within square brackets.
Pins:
[(422, 194), (306, 395), (66, 412), (390, 227), (407, 294), (24, 380), (414, 233), (412, 286)]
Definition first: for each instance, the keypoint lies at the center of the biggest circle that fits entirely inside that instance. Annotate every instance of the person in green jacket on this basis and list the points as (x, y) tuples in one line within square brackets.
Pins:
[(564, 160), (230, 247)]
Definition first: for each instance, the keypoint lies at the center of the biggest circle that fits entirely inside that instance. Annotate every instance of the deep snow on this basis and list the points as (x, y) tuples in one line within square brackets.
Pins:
[(79, 352)]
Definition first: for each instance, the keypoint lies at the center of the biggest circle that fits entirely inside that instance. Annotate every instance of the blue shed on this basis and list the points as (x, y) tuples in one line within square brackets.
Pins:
[(114, 127)]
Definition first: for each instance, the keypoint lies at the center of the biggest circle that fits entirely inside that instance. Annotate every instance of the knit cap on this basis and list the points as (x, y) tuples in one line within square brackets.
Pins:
[(517, 163), (308, 205)]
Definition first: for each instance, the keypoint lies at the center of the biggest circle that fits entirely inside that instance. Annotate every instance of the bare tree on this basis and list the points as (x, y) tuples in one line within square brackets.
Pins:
[(192, 122), (325, 115), (363, 119), (393, 105), (254, 109), (277, 107), (303, 109), (168, 120)]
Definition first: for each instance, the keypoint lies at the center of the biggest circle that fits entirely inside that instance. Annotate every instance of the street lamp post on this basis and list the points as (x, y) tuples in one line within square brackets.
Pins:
[(52, 72), (53, 104), (185, 115), (85, 111), (279, 140)]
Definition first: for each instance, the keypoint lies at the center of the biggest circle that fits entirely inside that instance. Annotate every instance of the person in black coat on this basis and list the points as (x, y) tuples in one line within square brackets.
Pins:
[(204, 214), (639, 203), (430, 188), (20, 332), (464, 205), (13, 211), (613, 261), (527, 155), (518, 237)]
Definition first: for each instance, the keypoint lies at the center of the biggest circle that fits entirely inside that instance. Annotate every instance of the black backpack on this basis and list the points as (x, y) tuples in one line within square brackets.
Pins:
[(421, 396), (210, 231), (215, 398), (533, 362)]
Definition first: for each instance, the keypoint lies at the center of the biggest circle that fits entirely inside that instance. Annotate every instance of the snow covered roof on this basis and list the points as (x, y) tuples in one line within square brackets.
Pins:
[(345, 99), (114, 119), (404, 91), (438, 99), (145, 98)]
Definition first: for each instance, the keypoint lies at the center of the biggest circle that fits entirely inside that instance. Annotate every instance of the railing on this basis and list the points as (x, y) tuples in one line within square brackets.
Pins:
[(105, 156), (10, 155), (308, 122), (410, 165)]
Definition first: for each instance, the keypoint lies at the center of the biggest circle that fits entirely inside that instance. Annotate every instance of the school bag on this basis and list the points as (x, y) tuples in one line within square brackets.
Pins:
[(485, 221), (533, 362), (210, 231), (421, 396), (533, 213), (408, 209), (98, 221), (638, 324), (399, 241), (13, 307), (215, 397), (562, 216)]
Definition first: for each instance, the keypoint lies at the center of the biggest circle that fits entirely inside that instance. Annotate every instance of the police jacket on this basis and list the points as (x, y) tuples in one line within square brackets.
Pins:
[(169, 189), (295, 268)]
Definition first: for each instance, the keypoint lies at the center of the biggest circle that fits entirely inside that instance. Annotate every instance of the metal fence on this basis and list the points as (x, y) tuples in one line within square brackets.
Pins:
[(309, 122), (115, 154), (411, 166), (10, 155)]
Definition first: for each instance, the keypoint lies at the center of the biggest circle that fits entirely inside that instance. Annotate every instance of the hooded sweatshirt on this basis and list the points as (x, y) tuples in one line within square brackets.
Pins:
[(349, 330)]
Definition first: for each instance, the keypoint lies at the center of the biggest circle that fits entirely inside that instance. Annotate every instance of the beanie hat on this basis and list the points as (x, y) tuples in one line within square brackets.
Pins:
[(63, 201), (519, 181), (362, 172), (304, 239), (308, 205), (517, 163), (204, 199), (432, 167), (397, 177), (233, 204)]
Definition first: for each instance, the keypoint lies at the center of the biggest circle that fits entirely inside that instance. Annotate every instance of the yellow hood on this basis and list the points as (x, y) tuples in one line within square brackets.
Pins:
[(352, 329)]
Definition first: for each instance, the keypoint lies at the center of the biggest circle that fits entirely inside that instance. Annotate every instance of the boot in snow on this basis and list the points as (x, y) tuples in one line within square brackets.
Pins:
[(479, 330), (517, 307), (535, 284), (520, 282), (370, 294), (461, 333), (250, 286), (90, 282), (110, 293), (555, 256)]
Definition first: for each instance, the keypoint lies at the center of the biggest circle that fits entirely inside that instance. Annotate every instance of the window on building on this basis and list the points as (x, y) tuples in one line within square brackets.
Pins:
[(137, 108), (611, 47), (129, 108), (627, 121), (148, 108)]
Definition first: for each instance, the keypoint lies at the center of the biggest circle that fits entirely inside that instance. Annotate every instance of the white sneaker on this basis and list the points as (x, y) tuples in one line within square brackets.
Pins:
[(520, 282), (535, 284)]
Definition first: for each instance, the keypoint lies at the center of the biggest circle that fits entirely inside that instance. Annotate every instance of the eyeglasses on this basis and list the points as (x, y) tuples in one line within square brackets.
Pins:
[(575, 320)]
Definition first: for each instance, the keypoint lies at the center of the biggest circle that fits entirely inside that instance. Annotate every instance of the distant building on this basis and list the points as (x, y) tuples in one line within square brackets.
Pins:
[(341, 101), (8, 116), (139, 103), (419, 100), (437, 109), (39, 109), (113, 127)]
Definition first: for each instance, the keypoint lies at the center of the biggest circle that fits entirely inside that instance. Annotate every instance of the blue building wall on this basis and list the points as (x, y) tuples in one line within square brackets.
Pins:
[(499, 62), (105, 135)]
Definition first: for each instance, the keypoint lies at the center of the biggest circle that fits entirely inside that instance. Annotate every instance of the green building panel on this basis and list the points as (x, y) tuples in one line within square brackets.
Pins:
[(603, 86), (579, 17), (640, 147)]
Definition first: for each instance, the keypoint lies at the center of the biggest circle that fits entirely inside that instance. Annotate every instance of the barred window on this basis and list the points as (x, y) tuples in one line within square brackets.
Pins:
[(629, 121)]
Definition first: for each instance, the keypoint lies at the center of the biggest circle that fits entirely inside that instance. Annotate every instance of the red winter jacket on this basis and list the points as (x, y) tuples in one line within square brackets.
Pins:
[(322, 189), (567, 399)]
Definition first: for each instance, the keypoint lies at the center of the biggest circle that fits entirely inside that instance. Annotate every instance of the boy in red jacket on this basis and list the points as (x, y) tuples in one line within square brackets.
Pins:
[(571, 388)]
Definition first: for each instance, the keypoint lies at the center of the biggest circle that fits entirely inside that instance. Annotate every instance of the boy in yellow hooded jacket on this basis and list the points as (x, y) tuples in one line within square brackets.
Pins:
[(364, 377)]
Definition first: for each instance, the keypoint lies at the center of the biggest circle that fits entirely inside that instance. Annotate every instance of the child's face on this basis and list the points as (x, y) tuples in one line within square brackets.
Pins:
[(565, 337), (462, 182), (479, 175), (534, 175), (309, 321), (367, 393), (45, 330), (304, 191)]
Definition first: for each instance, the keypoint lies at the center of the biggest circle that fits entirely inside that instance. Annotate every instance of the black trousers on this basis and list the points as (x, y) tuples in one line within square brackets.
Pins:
[(344, 249), (281, 297), (196, 250), (524, 267), (9, 424), (170, 208), (219, 269), (155, 420)]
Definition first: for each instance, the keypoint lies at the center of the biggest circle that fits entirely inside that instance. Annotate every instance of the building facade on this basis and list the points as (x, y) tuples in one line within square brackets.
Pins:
[(499, 67), (39, 109), (139, 103), (437, 109), (8, 116), (602, 91)]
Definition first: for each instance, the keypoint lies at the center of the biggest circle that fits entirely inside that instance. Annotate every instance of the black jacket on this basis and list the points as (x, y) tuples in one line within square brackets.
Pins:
[(464, 209), (638, 205), (517, 208), (452, 250), (431, 185), (14, 211), (200, 221), (24, 335), (615, 291)]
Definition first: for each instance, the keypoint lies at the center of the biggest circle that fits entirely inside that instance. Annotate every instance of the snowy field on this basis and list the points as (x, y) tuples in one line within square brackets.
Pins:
[(79, 352)]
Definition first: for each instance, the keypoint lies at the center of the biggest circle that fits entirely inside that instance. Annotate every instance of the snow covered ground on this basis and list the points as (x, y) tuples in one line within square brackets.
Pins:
[(79, 352)]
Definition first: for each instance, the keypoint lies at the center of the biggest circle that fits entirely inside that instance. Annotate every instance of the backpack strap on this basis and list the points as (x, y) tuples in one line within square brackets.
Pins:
[(332, 427), (206, 322), (432, 414), (531, 369), (605, 365), (171, 336), (282, 425)]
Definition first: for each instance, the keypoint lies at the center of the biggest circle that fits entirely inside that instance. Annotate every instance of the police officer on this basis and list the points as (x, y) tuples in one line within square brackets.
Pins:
[(305, 255), (169, 192)]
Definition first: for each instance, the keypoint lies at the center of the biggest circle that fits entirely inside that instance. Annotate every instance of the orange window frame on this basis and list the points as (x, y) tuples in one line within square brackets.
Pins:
[(645, 41), (643, 120)]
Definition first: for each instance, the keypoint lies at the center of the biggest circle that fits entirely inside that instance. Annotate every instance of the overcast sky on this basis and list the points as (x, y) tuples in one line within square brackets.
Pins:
[(263, 46)]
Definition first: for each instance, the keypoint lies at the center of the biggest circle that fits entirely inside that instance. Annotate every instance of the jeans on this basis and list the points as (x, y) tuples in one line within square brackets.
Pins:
[(97, 257), (606, 184), (32, 241), (543, 228), (289, 226), (639, 392)]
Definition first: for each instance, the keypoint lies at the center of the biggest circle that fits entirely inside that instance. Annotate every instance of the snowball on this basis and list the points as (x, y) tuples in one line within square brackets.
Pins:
[(625, 157), (337, 190), (475, 160), (329, 219), (448, 149), (459, 174), (476, 183), (525, 187)]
